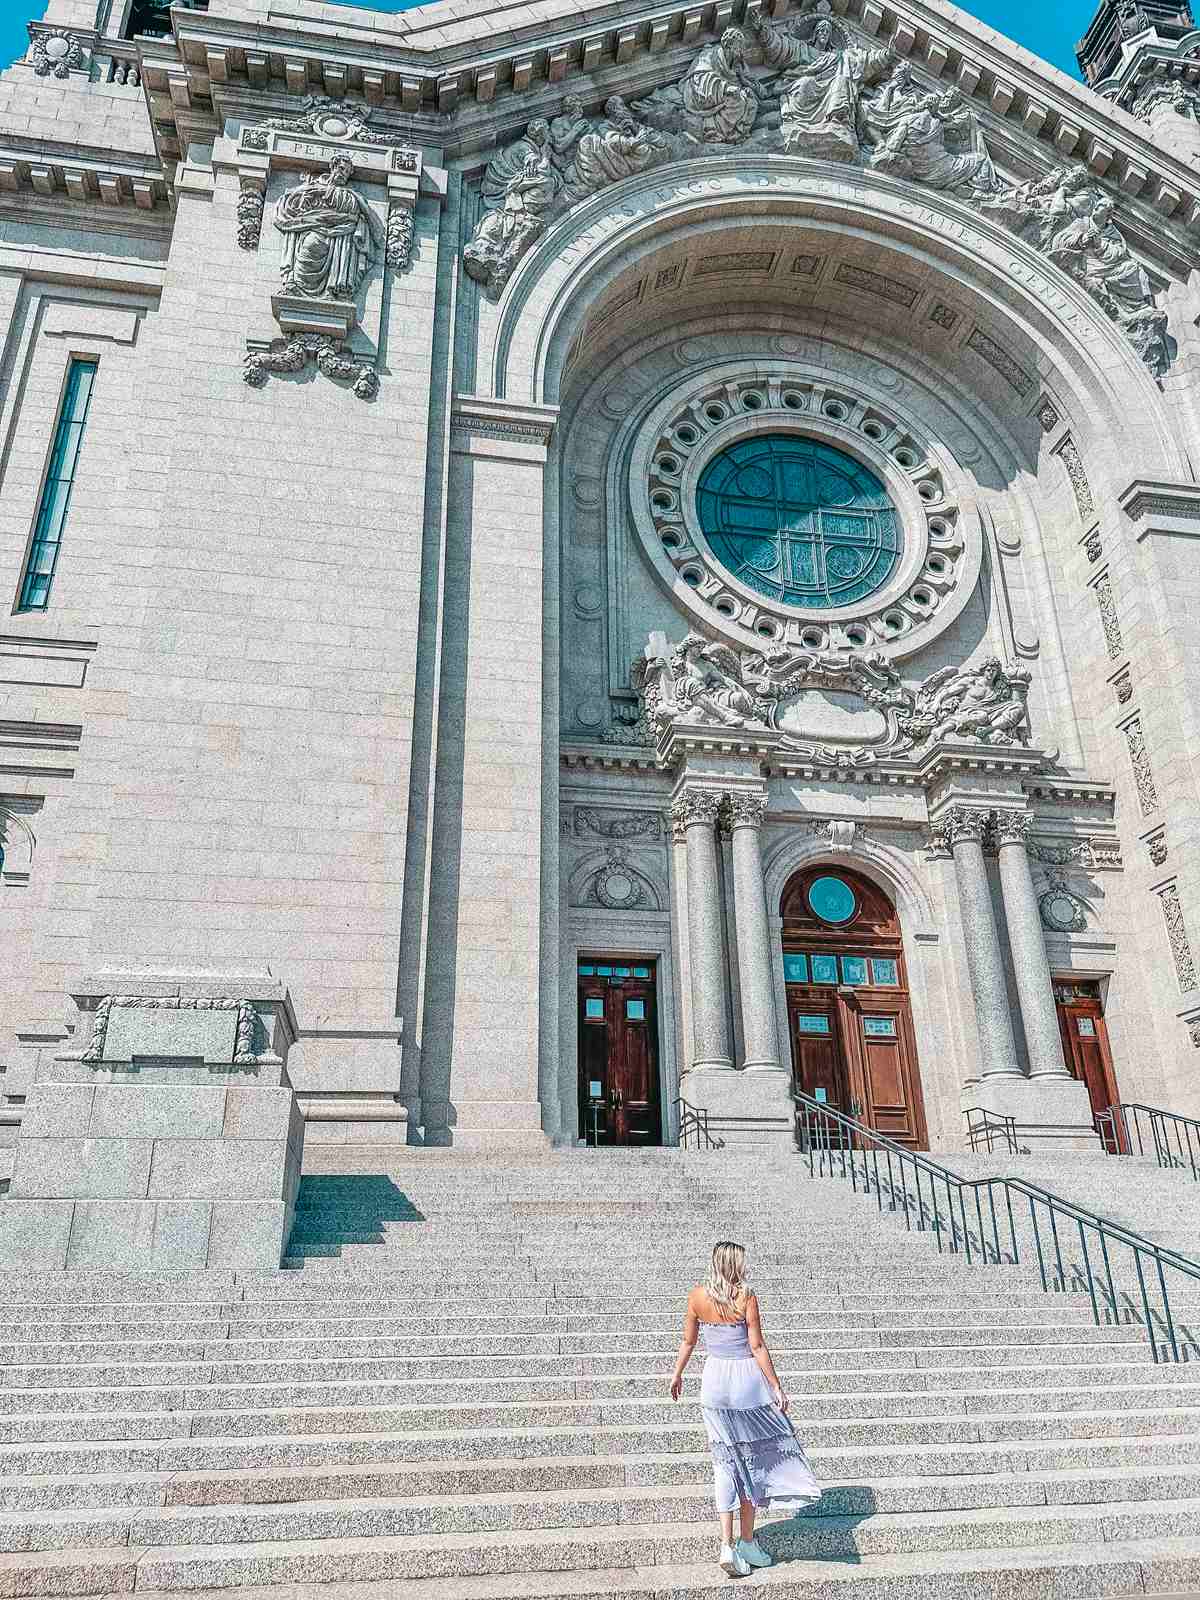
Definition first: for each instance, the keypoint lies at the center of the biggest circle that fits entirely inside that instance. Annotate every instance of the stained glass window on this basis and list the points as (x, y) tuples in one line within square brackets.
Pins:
[(854, 970), (795, 969), (879, 1027), (831, 899), (798, 521), (884, 971), (824, 969), (56, 491), (812, 1024)]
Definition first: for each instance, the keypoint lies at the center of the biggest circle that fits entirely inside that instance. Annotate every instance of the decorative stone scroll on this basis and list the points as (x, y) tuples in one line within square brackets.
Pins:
[(805, 86), (780, 694)]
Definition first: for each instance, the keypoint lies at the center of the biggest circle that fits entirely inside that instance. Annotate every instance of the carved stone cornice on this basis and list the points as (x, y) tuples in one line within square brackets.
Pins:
[(1157, 507), (523, 429)]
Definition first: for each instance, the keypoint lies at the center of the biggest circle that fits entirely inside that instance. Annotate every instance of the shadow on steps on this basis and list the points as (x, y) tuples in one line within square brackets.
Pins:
[(336, 1210)]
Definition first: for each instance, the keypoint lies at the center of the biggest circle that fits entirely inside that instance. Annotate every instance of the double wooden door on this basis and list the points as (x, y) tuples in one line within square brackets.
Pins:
[(849, 1015), (618, 1052), (1087, 1054)]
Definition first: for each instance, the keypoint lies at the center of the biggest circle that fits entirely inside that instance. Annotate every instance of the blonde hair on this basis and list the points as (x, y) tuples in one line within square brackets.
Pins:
[(725, 1281)]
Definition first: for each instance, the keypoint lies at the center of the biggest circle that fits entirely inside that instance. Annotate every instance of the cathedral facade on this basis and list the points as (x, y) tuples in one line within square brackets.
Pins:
[(579, 565)]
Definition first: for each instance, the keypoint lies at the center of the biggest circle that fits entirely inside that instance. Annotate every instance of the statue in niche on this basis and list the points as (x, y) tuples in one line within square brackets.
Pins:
[(914, 132), (503, 235), (983, 702), (718, 100), (616, 148), (821, 88), (329, 235)]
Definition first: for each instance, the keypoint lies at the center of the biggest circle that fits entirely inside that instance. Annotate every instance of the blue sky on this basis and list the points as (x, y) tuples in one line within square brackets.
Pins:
[(1049, 27)]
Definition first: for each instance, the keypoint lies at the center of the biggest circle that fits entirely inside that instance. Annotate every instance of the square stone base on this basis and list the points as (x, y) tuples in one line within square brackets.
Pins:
[(1050, 1113), (744, 1108)]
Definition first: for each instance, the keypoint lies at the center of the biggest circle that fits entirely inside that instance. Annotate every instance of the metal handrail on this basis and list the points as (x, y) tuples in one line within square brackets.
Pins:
[(1174, 1140), (989, 1130), (693, 1120), (837, 1144)]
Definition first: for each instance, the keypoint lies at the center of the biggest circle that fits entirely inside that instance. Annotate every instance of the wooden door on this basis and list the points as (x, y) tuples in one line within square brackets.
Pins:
[(618, 1052), (1086, 1051), (844, 964)]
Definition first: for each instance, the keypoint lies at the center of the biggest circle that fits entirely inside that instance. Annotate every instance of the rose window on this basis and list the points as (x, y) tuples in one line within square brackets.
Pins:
[(798, 521)]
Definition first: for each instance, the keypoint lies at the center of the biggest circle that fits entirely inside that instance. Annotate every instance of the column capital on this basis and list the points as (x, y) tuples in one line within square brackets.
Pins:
[(1013, 827), (746, 810), (694, 805), (960, 824)]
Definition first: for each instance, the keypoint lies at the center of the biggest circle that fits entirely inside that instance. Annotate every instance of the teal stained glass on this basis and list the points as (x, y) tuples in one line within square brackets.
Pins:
[(824, 969), (884, 972), (798, 521), (795, 969), (812, 1024), (831, 899), (56, 491), (854, 970)]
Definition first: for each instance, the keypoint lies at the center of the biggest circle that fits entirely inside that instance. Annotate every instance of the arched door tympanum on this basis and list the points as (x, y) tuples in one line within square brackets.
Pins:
[(849, 1017)]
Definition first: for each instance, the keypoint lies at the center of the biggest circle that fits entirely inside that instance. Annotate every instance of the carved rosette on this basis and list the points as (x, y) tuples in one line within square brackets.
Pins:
[(1194, 1031), (698, 806), (1123, 686), (746, 810)]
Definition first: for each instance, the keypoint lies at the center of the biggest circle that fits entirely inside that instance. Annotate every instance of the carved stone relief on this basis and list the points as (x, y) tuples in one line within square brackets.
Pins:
[(332, 358), (803, 86), (612, 823), (1143, 775), (245, 1053), (700, 683), (330, 236), (1109, 620), (57, 52), (1068, 454), (1061, 910), (251, 200), (1177, 937)]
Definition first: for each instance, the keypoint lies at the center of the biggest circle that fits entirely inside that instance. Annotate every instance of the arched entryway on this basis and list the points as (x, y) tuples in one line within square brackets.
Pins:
[(849, 1015)]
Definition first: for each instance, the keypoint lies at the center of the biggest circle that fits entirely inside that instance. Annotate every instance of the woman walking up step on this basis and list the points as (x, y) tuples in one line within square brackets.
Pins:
[(757, 1459)]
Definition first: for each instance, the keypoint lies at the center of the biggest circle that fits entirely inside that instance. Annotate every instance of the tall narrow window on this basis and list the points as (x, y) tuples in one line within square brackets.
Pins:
[(56, 492)]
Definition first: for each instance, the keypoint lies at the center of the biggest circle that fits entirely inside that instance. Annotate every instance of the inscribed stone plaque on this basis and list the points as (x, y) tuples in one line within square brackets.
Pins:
[(161, 1031)]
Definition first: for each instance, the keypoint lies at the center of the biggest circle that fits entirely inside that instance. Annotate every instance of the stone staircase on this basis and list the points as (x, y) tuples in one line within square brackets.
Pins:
[(457, 1390)]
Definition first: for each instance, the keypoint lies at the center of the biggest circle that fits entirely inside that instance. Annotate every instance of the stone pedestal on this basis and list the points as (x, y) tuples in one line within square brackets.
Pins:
[(1050, 1113), (744, 1108), (169, 1141)]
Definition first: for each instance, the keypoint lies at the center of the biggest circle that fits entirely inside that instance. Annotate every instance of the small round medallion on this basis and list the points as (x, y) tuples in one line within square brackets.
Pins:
[(56, 49), (832, 899)]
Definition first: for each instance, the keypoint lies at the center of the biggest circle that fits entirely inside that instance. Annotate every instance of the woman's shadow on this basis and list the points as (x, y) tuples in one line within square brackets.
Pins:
[(824, 1532)]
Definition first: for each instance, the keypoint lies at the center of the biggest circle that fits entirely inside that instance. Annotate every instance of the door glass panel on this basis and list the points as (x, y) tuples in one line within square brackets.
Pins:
[(854, 969), (635, 1010), (593, 1009), (885, 973), (1086, 1027), (587, 972), (641, 972), (812, 1024), (621, 972), (824, 969), (879, 1027), (795, 969), (604, 972)]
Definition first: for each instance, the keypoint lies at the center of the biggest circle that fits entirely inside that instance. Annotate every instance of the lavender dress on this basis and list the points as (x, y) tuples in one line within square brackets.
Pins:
[(756, 1454)]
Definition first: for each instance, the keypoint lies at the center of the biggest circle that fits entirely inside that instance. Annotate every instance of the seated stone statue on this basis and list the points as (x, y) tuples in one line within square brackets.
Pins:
[(913, 133), (505, 234), (983, 702), (616, 148), (716, 103), (822, 85), (328, 235)]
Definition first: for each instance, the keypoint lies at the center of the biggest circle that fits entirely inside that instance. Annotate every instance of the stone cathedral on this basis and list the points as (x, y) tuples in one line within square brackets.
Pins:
[(574, 567)]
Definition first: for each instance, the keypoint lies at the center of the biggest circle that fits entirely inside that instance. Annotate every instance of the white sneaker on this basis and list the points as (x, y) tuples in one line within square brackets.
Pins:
[(753, 1553), (732, 1562)]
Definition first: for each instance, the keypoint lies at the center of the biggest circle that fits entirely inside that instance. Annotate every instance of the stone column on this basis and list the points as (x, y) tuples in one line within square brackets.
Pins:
[(746, 812), (710, 1026), (964, 829), (1043, 1042)]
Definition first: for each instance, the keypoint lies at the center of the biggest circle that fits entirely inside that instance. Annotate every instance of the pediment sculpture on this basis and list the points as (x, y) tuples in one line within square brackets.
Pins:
[(841, 710), (804, 87)]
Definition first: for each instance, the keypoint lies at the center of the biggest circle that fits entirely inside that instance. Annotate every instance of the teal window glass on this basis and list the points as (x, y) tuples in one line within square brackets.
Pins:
[(56, 492), (795, 969), (587, 972), (622, 972), (798, 521), (831, 899), (593, 1009), (854, 969), (884, 972), (812, 1024), (635, 1010), (879, 1027), (604, 972), (641, 972), (824, 969)]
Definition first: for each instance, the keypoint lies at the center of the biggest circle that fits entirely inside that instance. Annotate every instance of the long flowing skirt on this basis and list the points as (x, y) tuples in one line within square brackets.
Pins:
[(756, 1454)]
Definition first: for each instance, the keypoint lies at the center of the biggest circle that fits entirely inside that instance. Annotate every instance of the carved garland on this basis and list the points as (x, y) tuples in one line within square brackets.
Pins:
[(56, 52), (668, 526), (293, 355), (244, 1053)]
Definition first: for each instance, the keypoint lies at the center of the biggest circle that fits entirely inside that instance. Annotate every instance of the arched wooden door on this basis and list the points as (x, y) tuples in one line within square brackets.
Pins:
[(849, 1017)]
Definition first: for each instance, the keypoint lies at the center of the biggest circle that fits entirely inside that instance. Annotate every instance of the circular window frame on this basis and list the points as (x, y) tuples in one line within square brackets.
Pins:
[(855, 903), (942, 544)]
